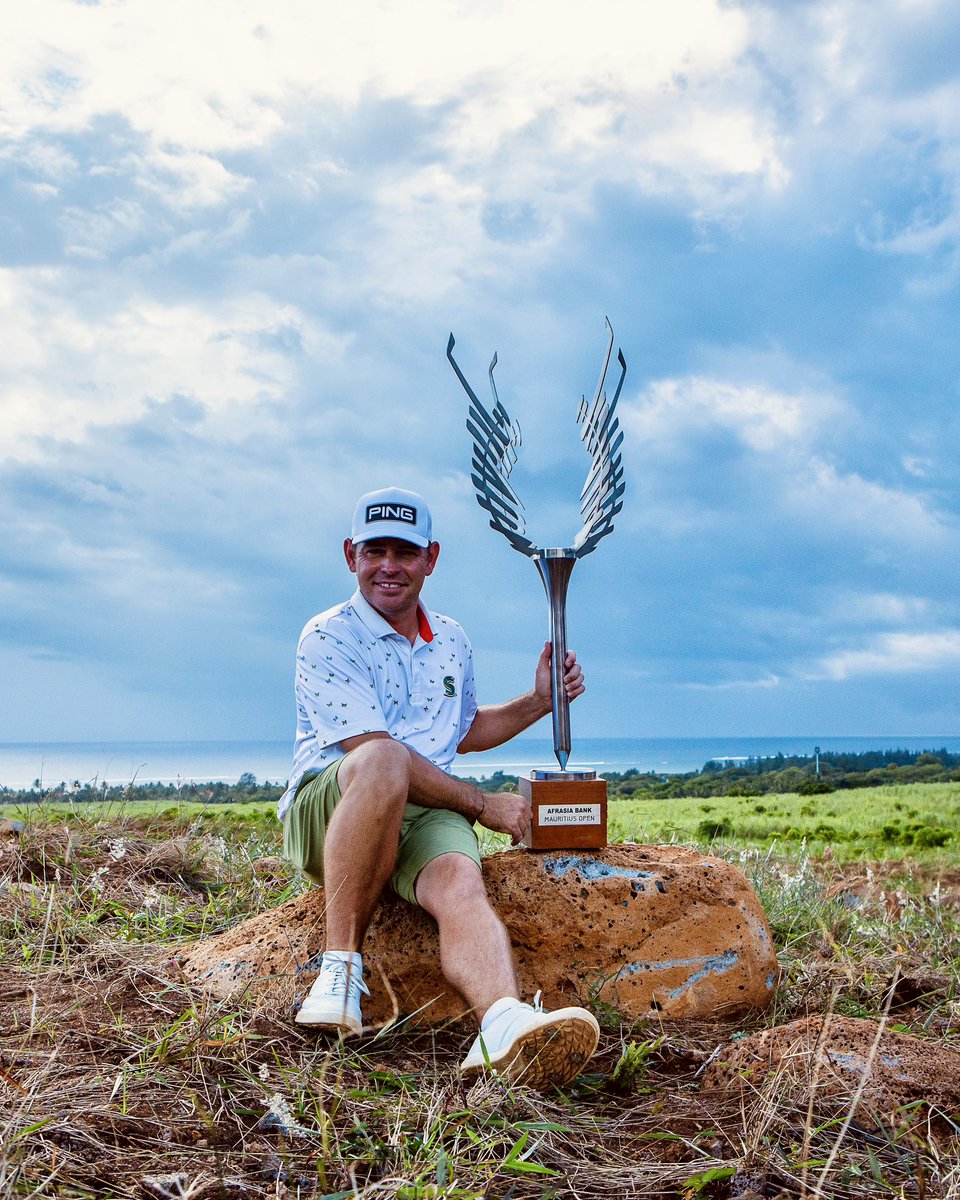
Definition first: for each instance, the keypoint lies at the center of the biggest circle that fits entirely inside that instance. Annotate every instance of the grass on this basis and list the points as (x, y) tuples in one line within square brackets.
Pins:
[(919, 820), (118, 1080)]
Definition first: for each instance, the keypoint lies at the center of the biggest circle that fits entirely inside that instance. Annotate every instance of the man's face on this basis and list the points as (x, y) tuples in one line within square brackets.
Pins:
[(390, 573)]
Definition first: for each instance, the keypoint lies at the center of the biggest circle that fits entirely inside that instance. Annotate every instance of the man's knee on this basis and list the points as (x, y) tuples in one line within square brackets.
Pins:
[(381, 763), (451, 882)]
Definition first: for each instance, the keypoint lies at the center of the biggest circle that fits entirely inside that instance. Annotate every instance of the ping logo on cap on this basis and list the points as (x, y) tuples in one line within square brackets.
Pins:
[(391, 512)]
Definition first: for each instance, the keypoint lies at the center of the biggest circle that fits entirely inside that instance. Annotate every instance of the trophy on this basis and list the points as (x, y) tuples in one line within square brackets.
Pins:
[(569, 807)]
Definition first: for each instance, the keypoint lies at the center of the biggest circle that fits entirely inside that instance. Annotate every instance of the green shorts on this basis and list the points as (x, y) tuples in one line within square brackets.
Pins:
[(425, 833)]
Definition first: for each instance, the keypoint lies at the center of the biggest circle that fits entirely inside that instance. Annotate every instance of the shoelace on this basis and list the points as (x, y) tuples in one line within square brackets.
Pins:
[(346, 977), (537, 1002)]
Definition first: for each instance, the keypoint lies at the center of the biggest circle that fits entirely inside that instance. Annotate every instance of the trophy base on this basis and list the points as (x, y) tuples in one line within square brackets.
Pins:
[(569, 810)]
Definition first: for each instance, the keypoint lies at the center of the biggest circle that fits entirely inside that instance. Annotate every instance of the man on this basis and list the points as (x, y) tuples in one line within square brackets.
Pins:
[(385, 699)]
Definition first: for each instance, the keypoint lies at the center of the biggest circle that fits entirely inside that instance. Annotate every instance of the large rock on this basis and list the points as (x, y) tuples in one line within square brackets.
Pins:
[(644, 928), (895, 1080)]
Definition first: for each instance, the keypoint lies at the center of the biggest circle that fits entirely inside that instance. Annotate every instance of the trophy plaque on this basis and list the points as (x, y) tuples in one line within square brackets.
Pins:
[(569, 810), (569, 807)]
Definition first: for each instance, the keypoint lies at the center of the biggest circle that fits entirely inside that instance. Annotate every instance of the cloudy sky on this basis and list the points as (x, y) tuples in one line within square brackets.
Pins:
[(235, 236)]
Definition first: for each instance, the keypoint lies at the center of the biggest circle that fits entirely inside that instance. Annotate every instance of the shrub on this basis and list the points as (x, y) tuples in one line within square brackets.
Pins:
[(815, 787), (931, 836), (716, 827)]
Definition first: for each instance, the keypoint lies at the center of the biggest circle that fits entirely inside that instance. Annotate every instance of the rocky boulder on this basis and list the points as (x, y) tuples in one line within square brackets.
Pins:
[(647, 929), (895, 1081)]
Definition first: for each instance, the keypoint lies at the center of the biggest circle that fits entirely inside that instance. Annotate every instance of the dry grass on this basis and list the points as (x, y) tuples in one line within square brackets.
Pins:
[(118, 1080)]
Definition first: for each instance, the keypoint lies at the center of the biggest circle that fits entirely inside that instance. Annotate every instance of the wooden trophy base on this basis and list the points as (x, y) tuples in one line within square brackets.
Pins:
[(569, 810)]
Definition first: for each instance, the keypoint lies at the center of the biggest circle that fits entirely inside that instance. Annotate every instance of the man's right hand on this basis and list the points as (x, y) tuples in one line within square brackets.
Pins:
[(506, 812), (503, 812)]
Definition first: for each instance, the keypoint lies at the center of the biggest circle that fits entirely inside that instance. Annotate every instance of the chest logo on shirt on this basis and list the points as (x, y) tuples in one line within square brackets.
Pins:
[(449, 685)]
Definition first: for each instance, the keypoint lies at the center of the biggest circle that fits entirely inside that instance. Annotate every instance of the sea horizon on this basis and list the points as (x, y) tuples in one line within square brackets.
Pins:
[(121, 763)]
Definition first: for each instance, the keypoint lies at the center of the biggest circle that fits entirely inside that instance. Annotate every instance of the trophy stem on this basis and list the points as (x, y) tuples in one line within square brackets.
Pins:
[(556, 567)]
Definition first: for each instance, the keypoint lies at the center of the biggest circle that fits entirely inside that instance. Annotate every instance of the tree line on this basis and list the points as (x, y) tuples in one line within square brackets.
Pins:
[(806, 774)]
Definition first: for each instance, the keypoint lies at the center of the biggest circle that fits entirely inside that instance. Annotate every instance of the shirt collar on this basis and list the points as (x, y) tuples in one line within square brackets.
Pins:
[(380, 627)]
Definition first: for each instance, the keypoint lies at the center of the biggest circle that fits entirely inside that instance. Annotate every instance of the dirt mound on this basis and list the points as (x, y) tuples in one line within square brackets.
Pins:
[(892, 1081)]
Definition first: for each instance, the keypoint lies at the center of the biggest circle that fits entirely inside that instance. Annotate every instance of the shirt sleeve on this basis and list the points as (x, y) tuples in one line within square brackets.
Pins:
[(336, 693)]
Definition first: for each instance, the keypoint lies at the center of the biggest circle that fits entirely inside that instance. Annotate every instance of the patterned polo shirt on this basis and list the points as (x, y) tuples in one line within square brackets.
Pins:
[(356, 675)]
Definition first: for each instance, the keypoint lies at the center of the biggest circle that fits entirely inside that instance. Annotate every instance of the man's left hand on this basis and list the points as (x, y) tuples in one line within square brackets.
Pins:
[(495, 724), (572, 676)]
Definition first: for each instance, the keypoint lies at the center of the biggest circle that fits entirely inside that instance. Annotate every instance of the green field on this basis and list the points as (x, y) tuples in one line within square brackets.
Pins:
[(920, 821)]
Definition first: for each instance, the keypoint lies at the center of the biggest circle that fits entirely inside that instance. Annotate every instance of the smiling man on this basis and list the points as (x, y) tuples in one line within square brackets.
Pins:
[(385, 700)]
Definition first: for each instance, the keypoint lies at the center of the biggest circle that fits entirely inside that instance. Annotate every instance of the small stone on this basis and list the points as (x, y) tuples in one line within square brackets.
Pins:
[(165, 1187)]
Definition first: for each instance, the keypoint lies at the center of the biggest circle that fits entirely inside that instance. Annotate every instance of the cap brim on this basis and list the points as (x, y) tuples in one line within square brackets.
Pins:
[(392, 529)]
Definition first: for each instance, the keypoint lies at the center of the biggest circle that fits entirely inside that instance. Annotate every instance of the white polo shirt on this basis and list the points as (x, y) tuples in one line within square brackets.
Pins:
[(356, 675)]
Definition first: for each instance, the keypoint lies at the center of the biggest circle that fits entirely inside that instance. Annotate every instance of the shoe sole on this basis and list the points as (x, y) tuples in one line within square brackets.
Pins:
[(334, 1024), (550, 1055)]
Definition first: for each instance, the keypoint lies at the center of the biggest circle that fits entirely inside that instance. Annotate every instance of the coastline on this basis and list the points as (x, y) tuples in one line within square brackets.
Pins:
[(122, 763)]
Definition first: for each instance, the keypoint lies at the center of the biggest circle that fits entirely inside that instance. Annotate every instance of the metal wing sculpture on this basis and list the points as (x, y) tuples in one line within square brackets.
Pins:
[(495, 443), (600, 498), (496, 440)]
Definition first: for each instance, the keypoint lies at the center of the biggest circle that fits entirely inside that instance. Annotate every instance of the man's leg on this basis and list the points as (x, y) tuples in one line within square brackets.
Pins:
[(359, 849), (521, 1042), (361, 843), (475, 952)]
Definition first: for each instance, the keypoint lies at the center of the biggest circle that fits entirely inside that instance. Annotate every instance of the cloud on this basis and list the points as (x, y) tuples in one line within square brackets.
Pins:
[(879, 608), (756, 438), (74, 367), (736, 685), (895, 654), (764, 541), (762, 419), (231, 261), (850, 505), (874, 84), (528, 99)]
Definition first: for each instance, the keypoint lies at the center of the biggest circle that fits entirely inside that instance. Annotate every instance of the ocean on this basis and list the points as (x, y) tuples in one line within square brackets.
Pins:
[(23, 763)]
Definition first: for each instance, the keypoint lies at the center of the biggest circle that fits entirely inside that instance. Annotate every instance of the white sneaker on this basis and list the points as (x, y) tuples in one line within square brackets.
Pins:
[(334, 999), (524, 1044)]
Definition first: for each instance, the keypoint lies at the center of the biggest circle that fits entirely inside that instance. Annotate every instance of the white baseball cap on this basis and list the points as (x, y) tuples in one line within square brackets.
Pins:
[(392, 513)]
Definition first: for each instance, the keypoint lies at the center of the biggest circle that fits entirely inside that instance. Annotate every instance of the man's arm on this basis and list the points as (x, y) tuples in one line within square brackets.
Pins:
[(495, 724), (502, 812)]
